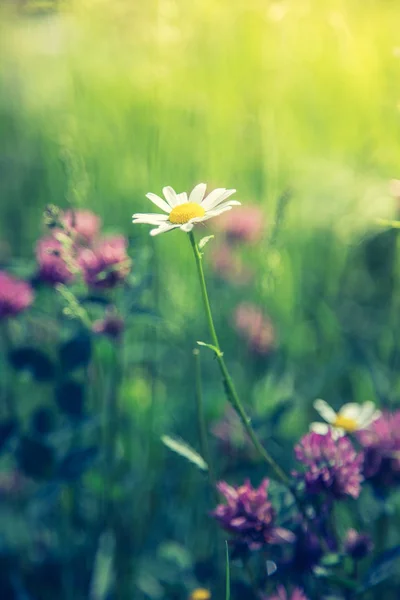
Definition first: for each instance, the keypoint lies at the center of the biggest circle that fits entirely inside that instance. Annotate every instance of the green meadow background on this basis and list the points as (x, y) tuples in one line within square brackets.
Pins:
[(103, 101)]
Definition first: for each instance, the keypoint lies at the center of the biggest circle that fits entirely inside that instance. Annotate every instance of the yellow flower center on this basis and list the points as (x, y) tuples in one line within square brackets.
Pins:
[(345, 423), (200, 594), (184, 212)]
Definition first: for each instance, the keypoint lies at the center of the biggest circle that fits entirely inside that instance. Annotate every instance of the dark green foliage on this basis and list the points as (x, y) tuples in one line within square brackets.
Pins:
[(76, 352), (33, 360), (35, 458), (69, 397)]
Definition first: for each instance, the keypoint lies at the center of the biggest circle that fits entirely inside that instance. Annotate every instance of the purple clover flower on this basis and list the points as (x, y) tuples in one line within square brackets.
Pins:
[(333, 466), (112, 326), (53, 267), (84, 224), (381, 443), (15, 295), (283, 594), (106, 264), (249, 514), (358, 545)]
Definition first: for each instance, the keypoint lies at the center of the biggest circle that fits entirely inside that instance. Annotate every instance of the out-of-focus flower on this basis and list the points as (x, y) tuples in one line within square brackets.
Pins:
[(54, 264), (350, 418), (106, 264), (381, 443), (249, 514), (229, 266), (282, 594), (15, 295), (246, 224), (255, 328), (13, 486), (84, 223), (358, 545), (230, 433), (200, 594), (112, 326), (183, 211), (333, 466)]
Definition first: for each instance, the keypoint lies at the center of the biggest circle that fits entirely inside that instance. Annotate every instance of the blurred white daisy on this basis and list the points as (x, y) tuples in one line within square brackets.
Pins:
[(351, 417), (183, 211)]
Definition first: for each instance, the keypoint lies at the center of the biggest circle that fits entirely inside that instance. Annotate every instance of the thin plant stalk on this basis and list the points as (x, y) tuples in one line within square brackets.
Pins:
[(201, 423), (230, 389)]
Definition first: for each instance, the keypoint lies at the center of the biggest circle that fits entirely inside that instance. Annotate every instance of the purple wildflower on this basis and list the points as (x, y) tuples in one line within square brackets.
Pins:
[(255, 328), (228, 266), (334, 467), (106, 264), (15, 295), (249, 514), (381, 443), (358, 545), (246, 225), (282, 594), (51, 256), (83, 223), (112, 326)]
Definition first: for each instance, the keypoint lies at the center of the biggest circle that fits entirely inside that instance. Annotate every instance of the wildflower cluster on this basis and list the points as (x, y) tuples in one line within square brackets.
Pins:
[(75, 248)]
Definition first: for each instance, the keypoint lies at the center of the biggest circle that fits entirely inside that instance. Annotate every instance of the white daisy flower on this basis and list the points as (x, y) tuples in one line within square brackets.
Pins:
[(183, 211), (351, 417)]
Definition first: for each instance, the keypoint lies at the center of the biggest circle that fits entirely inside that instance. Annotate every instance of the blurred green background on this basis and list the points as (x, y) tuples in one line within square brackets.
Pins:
[(103, 101)]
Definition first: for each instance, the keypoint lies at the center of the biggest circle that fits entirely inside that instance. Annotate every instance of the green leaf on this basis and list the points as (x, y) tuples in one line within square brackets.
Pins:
[(103, 571), (183, 449), (384, 567), (389, 223), (228, 576), (216, 350), (205, 241)]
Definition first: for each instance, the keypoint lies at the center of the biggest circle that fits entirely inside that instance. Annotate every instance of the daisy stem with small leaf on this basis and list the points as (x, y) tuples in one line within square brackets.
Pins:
[(201, 423), (229, 386)]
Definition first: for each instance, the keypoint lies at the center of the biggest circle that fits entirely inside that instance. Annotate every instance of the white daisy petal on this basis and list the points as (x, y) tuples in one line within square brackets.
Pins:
[(187, 227), (208, 201), (321, 428), (325, 410), (369, 415), (171, 196), (159, 202), (182, 198), (149, 219), (216, 197), (197, 193), (352, 410), (223, 205), (162, 229)]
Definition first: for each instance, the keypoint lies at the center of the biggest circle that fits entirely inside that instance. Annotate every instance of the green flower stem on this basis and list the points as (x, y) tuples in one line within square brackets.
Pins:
[(201, 423), (231, 393)]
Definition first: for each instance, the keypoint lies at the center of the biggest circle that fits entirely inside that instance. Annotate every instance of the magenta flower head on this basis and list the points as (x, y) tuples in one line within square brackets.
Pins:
[(282, 594), (245, 225), (249, 514), (381, 443), (106, 264), (358, 545), (15, 295), (255, 328), (228, 266), (333, 466), (112, 326), (84, 223), (51, 257)]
